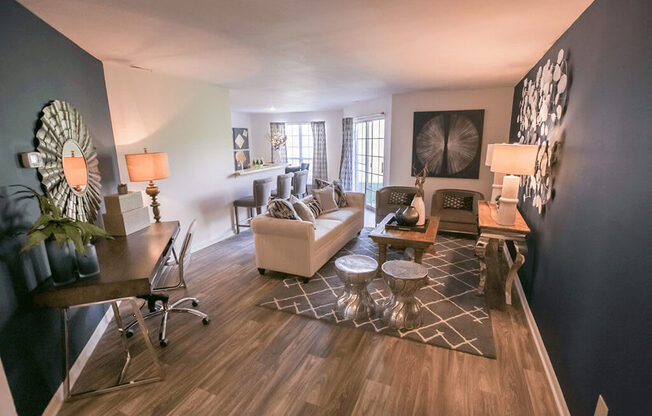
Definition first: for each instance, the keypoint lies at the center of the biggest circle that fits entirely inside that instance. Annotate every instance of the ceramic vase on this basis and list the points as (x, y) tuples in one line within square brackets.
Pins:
[(276, 156), (418, 204), (87, 263), (62, 262)]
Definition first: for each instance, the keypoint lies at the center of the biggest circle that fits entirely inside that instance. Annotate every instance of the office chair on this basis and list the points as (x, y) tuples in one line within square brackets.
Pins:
[(181, 262)]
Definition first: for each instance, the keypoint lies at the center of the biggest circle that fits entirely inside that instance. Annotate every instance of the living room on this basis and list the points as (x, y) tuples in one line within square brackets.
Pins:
[(301, 207)]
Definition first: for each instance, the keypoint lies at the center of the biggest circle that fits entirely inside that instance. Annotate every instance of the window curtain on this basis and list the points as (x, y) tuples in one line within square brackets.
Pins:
[(320, 168), (346, 162), (280, 129)]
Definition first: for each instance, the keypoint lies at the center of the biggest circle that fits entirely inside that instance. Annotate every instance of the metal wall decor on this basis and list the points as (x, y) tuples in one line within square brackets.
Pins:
[(62, 133), (542, 107)]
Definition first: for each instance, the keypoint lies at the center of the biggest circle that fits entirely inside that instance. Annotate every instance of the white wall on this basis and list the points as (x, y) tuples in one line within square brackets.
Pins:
[(191, 121), (260, 147), (371, 107), (497, 104)]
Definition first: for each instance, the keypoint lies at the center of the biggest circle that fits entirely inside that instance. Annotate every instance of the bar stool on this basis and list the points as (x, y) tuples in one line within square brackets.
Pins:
[(283, 186), (262, 192), (299, 183)]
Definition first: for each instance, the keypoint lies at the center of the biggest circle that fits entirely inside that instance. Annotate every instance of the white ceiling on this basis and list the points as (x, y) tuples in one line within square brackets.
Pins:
[(305, 55)]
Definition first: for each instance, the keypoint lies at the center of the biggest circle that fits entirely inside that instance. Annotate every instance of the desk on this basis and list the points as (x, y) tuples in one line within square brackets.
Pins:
[(128, 265), (491, 230), (403, 239)]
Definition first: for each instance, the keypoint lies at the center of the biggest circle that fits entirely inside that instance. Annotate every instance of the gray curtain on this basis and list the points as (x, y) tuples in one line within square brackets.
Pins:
[(280, 129), (320, 168), (346, 162)]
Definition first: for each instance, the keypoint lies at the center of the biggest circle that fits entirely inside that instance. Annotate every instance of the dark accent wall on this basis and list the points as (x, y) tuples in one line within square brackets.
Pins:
[(588, 276), (39, 64)]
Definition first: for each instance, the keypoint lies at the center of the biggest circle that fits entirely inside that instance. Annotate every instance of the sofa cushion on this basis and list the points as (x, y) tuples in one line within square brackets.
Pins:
[(457, 215), (326, 230), (302, 210), (280, 208), (340, 195), (342, 214)]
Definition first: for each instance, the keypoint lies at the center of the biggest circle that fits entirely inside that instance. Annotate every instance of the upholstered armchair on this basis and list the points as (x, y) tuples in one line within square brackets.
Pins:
[(391, 198), (457, 210)]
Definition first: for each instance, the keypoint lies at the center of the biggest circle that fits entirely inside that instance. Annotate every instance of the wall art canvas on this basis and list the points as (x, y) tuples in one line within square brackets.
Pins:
[(540, 113), (241, 147), (447, 143)]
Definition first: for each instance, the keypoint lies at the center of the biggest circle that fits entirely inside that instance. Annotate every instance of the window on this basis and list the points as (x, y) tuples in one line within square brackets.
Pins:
[(368, 157), (299, 145)]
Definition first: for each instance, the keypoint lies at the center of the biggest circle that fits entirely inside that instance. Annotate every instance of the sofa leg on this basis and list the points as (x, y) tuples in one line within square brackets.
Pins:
[(261, 271), (305, 280)]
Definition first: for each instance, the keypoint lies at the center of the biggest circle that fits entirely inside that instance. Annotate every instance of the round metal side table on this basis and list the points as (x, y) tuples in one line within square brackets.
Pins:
[(404, 278), (355, 271)]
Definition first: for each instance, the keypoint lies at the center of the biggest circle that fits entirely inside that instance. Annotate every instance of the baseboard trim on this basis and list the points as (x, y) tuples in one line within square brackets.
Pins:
[(57, 400), (560, 402)]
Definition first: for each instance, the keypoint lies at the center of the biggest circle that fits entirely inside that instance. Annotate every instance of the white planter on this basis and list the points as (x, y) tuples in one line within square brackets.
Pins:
[(417, 203)]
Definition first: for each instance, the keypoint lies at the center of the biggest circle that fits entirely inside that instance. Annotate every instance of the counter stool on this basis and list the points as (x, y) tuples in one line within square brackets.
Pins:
[(404, 278), (262, 192), (283, 186), (355, 271), (299, 183)]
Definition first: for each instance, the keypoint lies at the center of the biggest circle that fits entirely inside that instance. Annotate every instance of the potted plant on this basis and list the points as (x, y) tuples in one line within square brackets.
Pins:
[(67, 242)]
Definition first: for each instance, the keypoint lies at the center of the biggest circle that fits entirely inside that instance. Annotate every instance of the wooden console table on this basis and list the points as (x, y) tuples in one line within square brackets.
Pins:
[(491, 230), (128, 265)]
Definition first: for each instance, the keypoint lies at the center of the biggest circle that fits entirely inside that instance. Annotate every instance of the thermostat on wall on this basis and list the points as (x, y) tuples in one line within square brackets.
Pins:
[(31, 159)]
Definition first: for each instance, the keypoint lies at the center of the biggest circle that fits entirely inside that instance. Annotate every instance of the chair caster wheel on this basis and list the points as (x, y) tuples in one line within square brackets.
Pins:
[(195, 303), (129, 333), (205, 321), (163, 342)]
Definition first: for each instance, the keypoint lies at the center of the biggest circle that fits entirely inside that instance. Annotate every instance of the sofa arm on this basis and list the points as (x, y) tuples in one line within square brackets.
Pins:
[(355, 199), (264, 224)]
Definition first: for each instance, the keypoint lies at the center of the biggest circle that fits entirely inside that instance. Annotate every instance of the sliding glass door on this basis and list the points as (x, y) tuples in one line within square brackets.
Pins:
[(369, 157)]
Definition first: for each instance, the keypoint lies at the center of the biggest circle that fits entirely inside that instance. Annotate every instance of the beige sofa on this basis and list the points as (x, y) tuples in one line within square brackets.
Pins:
[(295, 247)]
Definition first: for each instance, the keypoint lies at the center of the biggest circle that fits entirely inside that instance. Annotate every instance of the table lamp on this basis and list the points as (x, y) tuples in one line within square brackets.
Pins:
[(74, 169), (149, 167), (497, 186), (511, 160)]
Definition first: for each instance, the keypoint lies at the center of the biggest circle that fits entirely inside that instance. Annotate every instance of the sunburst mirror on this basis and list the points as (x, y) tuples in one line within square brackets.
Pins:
[(70, 172)]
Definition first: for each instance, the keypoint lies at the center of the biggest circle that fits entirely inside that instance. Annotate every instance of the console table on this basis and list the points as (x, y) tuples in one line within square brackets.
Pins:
[(128, 265), (491, 230)]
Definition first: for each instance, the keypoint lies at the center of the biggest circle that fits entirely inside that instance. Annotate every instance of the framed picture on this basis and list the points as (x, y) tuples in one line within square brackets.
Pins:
[(240, 138), (447, 143), (241, 156)]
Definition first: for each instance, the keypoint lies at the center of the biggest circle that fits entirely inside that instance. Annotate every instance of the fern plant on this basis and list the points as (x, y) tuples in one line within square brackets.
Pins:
[(52, 224)]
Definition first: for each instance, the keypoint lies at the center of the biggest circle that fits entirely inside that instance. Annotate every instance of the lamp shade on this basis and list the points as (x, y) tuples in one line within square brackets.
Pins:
[(144, 167), (490, 155), (514, 159), (74, 168)]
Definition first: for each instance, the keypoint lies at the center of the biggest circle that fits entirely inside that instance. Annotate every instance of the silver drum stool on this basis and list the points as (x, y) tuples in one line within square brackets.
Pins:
[(355, 271), (404, 278)]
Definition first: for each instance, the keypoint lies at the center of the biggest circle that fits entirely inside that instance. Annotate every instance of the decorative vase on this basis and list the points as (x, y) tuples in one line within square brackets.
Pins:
[(62, 262), (410, 216), (398, 216), (276, 156), (87, 263), (418, 204)]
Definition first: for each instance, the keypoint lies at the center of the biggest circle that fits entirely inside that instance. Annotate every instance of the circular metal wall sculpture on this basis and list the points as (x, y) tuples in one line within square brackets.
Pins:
[(66, 147), (457, 149), (542, 107)]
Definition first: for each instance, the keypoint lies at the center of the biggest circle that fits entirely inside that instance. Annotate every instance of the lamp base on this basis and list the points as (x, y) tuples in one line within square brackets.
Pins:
[(152, 191), (507, 211), (496, 187)]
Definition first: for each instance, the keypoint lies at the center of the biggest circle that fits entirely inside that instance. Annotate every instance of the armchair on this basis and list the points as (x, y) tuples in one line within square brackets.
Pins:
[(457, 210), (391, 198)]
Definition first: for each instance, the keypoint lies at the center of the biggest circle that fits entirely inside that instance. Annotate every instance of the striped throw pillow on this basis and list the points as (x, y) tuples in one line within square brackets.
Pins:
[(314, 206), (280, 208)]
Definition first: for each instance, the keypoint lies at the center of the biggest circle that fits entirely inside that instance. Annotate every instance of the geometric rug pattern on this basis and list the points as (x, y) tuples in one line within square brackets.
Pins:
[(454, 316)]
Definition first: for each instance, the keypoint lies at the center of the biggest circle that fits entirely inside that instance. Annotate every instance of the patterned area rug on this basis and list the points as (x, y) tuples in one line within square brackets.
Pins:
[(454, 316)]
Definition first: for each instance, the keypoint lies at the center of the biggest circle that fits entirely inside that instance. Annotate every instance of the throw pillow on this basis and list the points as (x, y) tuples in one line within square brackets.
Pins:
[(280, 208), (326, 198), (452, 201), (313, 205), (302, 210), (340, 194)]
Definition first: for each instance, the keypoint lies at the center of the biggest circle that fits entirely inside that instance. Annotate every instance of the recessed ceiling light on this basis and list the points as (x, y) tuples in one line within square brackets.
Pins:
[(272, 108)]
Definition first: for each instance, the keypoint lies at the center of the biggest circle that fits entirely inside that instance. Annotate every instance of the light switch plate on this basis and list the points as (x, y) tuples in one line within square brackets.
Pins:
[(601, 408)]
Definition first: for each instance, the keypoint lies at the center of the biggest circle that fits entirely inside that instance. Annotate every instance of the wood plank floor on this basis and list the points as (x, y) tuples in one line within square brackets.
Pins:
[(255, 361)]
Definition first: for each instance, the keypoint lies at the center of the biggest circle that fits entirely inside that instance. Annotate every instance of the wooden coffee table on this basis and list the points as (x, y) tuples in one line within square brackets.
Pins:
[(403, 239)]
